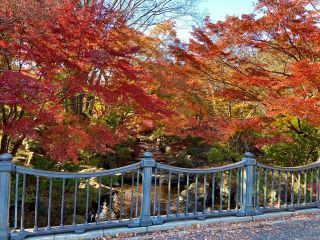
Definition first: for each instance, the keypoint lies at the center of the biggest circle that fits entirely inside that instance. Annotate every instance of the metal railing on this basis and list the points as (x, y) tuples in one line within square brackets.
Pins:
[(36, 202)]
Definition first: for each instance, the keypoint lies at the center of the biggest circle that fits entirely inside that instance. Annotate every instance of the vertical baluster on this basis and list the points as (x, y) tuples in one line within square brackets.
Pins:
[(22, 202), (62, 202), (159, 196), (237, 189), (87, 201), (187, 201), (272, 188), (137, 192), (311, 187), (16, 199), (279, 189), (142, 176), (305, 187), (221, 192), (169, 195), (132, 189), (299, 178), (49, 205), (204, 193), (212, 191), (121, 198), (229, 189), (75, 202), (196, 196), (286, 191), (99, 201), (241, 185), (258, 188), (178, 193), (110, 199), (292, 189), (265, 188), (317, 186), (155, 192), (254, 186), (35, 228)]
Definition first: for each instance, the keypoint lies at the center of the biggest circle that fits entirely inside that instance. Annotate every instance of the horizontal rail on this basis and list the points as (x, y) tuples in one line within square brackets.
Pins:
[(200, 170), (291, 169), (68, 175)]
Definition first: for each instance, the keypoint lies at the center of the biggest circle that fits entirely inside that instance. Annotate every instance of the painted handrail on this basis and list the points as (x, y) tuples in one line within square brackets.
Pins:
[(70, 175), (202, 170), (291, 169)]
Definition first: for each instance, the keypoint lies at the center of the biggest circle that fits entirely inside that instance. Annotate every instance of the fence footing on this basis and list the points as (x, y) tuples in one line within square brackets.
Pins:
[(80, 231), (145, 221), (248, 212), (202, 217), (291, 209), (16, 236), (157, 221), (134, 223), (260, 210), (4, 234)]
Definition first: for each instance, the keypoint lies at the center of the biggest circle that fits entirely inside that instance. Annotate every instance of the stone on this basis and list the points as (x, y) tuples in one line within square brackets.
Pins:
[(167, 149), (115, 211), (165, 179)]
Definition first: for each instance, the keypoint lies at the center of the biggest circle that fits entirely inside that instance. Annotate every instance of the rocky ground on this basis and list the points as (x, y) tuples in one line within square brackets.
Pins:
[(300, 227)]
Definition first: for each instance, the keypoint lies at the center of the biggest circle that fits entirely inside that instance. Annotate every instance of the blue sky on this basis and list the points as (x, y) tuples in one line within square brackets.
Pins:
[(217, 10)]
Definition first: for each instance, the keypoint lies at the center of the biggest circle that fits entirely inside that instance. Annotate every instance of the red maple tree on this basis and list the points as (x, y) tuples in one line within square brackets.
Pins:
[(258, 69), (65, 65)]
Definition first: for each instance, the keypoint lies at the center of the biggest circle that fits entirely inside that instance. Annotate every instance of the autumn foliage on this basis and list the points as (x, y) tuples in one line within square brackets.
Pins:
[(258, 72), (65, 66), (75, 76)]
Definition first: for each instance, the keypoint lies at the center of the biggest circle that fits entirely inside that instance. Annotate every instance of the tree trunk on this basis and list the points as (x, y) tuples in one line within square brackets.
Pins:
[(4, 143), (17, 145)]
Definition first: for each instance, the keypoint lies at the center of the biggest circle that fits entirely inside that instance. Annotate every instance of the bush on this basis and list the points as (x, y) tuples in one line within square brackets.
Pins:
[(220, 153), (304, 148)]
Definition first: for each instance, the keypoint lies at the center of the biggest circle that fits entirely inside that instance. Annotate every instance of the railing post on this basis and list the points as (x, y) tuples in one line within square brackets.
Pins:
[(6, 167), (147, 163), (247, 208)]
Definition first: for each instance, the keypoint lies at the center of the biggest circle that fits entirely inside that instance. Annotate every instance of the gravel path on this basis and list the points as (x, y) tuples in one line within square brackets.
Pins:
[(302, 227)]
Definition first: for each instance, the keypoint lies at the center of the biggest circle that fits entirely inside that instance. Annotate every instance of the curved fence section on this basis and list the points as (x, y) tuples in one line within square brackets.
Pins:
[(45, 202), (287, 188), (181, 193), (36, 202)]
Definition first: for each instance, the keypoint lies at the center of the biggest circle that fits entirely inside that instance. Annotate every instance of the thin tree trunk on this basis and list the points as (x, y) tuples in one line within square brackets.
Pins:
[(80, 104), (17, 145), (74, 104), (4, 143)]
